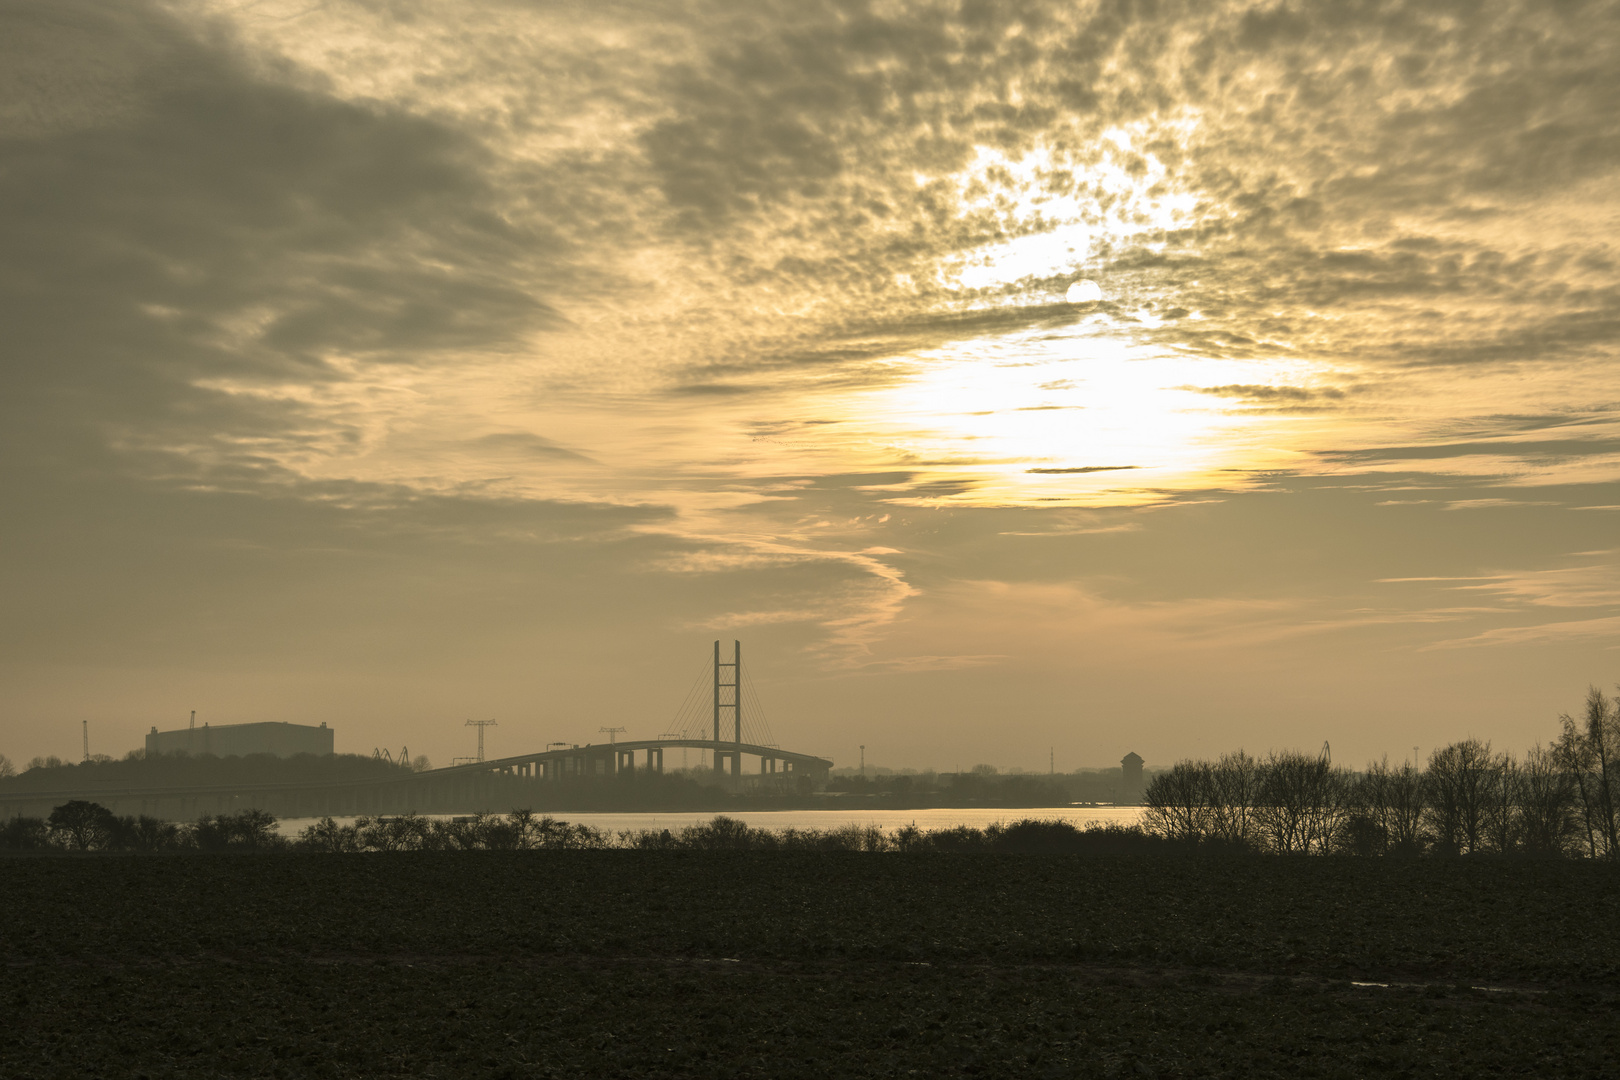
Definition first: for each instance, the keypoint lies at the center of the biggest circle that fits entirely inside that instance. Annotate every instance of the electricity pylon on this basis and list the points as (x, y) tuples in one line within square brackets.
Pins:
[(481, 725)]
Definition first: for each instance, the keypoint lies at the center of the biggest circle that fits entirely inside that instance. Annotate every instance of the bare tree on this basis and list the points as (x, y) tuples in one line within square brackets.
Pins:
[(1500, 820), (1404, 789), (7, 769), (1546, 803), (1458, 788), (1389, 801), (1233, 786), (82, 825), (1177, 802), (1590, 750), (1303, 803), (1368, 830)]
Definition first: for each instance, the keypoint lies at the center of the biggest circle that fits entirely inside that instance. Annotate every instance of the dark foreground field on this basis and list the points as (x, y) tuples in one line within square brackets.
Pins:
[(620, 963)]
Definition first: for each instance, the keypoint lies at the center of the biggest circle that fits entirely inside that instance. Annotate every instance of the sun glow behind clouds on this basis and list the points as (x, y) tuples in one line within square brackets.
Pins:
[(1079, 418)]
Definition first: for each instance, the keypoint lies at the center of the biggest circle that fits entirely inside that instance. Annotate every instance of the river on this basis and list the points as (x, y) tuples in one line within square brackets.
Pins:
[(887, 820)]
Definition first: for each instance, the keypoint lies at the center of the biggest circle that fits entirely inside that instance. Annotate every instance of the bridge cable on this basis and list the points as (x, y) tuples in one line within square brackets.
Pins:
[(756, 728), (688, 721)]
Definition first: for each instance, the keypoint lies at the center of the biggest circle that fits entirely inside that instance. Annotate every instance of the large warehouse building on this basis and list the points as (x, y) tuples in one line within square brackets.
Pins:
[(239, 740)]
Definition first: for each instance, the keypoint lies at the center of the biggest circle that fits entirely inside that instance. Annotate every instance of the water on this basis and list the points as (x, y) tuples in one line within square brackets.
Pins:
[(825, 820)]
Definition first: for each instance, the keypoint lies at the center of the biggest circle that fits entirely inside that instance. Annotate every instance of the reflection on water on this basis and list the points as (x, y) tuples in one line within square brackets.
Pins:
[(888, 820)]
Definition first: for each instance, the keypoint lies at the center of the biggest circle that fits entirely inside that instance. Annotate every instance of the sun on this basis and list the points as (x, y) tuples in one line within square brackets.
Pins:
[(1084, 291)]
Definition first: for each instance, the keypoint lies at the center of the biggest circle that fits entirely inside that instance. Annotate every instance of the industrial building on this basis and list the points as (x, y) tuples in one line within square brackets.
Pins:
[(1131, 771), (239, 740)]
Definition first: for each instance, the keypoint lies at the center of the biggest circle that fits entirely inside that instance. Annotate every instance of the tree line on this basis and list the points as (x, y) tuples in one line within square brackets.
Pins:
[(79, 825), (183, 769), (82, 826), (1557, 800)]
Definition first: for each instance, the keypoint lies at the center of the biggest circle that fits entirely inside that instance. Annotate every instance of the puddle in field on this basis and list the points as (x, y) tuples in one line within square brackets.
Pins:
[(1425, 986)]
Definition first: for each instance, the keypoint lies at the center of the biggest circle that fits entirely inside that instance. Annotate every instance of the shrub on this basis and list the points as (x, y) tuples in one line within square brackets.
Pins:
[(25, 834), (144, 833), (247, 830), (328, 836), (723, 834)]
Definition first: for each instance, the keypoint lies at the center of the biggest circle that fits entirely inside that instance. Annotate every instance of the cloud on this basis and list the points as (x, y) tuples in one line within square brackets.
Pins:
[(1552, 633), (1590, 585), (1517, 597), (198, 274), (526, 443), (1268, 393), (656, 313), (1493, 504), (792, 193)]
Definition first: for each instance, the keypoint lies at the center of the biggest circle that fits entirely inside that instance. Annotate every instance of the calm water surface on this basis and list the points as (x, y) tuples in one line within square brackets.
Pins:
[(888, 820)]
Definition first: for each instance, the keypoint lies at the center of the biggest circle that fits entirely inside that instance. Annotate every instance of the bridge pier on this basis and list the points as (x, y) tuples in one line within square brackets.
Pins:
[(655, 760)]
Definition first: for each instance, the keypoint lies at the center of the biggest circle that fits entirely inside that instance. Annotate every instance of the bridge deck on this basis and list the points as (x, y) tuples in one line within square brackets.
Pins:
[(800, 762)]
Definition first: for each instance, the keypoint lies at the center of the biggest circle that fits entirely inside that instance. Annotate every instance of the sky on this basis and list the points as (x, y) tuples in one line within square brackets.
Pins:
[(390, 364)]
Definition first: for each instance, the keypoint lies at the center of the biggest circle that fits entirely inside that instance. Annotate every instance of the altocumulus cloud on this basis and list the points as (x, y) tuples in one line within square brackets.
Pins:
[(685, 300)]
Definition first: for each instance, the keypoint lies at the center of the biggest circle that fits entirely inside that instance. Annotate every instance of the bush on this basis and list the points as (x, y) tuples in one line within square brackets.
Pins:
[(405, 833), (724, 834), (248, 830), (328, 836), (25, 834), (144, 834)]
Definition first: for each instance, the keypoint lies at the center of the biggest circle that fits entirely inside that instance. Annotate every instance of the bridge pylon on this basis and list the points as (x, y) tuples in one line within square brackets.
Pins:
[(728, 695)]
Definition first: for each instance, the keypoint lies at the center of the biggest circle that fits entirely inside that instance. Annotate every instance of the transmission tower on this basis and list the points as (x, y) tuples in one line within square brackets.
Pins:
[(481, 725), (86, 739)]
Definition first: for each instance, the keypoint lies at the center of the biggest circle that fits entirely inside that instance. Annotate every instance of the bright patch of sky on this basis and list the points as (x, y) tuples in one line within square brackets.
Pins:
[(1071, 208)]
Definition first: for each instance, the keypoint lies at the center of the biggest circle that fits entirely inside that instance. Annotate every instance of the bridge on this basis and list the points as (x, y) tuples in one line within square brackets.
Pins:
[(619, 759), (573, 773)]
